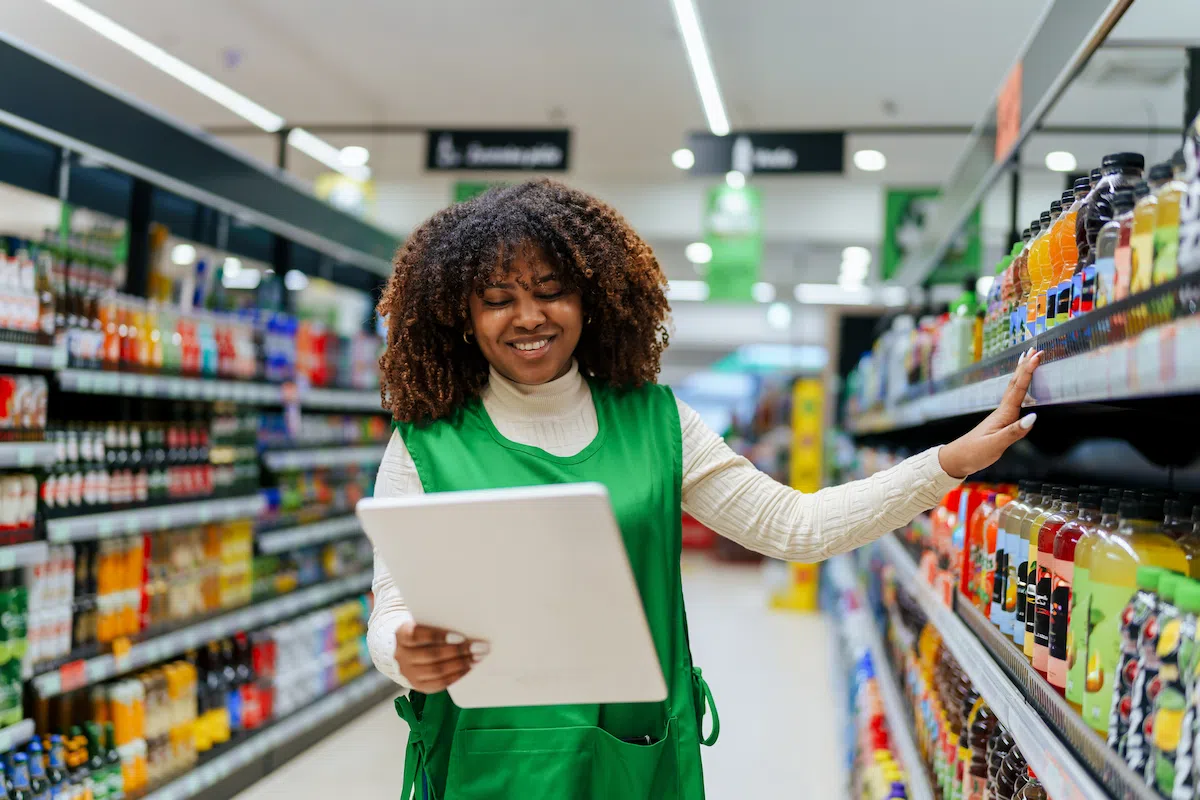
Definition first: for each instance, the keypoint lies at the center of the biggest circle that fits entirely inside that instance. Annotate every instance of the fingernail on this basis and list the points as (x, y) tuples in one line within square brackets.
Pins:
[(1029, 353), (455, 638), (480, 648), (1021, 360), (1028, 420)]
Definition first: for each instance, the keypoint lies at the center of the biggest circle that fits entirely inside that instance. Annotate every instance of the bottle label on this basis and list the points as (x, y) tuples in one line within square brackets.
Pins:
[(1184, 737), (1060, 610), (1088, 300), (999, 577), (1076, 294), (1105, 284), (1019, 611), (1031, 601), (1137, 671), (1166, 253), (1041, 623), (1168, 700), (1051, 306), (1104, 647), (974, 787), (1041, 312), (1063, 312)]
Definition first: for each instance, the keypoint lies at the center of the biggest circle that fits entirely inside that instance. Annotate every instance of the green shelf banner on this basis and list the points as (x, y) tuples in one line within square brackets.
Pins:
[(906, 212), (465, 190), (733, 229)]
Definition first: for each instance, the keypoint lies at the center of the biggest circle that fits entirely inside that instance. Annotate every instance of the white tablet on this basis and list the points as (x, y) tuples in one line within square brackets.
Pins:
[(541, 574)]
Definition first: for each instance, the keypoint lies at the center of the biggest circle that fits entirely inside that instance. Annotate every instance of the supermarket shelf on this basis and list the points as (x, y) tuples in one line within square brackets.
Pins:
[(16, 735), (156, 518), (158, 648), (171, 387), (342, 399), (1064, 776), (1105, 763), (858, 624), (23, 555), (303, 535), (1159, 362), (26, 455), (278, 460), (32, 356), (371, 687)]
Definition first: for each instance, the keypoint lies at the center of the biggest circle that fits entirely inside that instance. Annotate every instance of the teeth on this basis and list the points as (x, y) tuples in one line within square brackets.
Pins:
[(538, 345)]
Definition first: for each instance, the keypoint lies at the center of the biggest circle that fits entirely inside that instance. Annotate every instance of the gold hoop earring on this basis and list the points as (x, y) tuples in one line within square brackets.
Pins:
[(465, 339)]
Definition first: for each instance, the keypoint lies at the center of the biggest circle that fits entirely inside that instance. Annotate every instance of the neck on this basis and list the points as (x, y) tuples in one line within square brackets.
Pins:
[(552, 398)]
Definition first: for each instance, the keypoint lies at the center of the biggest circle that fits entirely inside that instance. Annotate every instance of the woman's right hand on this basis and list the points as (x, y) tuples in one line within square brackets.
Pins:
[(431, 659)]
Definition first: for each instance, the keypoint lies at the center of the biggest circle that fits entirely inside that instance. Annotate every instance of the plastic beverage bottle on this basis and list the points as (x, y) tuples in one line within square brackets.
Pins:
[(1046, 261), (1082, 248), (1056, 255), (1136, 541), (1082, 621), (1166, 223), (1030, 530), (999, 745), (1033, 789), (979, 736), (1067, 247), (1175, 705), (1138, 613), (962, 755), (1038, 265), (1189, 207), (1013, 775), (1066, 509), (1179, 525), (1061, 596), (1145, 217), (1026, 279), (1106, 247), (1124, 252), (977, 552), (1021, 532), (1007, 538), (1147, 677)]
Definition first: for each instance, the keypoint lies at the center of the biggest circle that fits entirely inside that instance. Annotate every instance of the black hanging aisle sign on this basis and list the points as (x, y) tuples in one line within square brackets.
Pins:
[(768, 152), (499, 150)]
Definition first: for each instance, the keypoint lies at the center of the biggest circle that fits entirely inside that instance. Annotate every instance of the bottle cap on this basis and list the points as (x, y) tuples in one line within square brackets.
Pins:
[(1094, 177), (1110, 505), (1026, 235), (1068, 197), (1148, 577), (1083, 184), (1070, 495), (1187, 596), (1168, 583), (1035, 227), (1089, 500), (1178, 163), (1160, 172), (1055, 207), (1044, 219), (1120, 161)]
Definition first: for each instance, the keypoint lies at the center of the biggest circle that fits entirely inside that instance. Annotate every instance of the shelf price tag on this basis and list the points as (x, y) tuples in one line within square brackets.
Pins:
[(24, 356), (26, 457), (72, 676), (105, 527)]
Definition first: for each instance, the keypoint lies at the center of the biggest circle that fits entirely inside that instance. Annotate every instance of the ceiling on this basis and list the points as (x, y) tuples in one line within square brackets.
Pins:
[(615, 72)]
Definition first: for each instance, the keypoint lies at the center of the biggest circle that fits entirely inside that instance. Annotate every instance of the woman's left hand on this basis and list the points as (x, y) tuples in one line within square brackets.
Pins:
[(987, 441)]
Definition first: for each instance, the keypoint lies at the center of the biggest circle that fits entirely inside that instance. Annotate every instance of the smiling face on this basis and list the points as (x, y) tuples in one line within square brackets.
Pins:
[(526, 324)]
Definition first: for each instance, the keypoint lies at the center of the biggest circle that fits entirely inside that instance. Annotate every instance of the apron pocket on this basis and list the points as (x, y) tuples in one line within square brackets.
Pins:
[(558, 763)]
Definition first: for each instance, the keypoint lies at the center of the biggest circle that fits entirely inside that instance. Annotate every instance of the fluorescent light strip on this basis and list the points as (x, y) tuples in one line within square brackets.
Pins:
[(702, 68), (211, 88), (320, 150)]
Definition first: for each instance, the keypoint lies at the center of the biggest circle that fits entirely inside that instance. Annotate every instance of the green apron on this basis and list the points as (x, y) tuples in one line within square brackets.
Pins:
[(576, 752)]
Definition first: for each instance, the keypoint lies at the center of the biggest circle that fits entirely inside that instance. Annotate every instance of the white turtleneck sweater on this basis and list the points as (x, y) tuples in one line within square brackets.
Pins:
[(720, 489)]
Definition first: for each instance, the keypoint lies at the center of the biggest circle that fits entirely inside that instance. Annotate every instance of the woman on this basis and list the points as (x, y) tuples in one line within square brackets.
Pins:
[(525, 332)]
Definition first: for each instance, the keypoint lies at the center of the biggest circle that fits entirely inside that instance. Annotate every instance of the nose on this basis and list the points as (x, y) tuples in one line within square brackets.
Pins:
[(530, 315)]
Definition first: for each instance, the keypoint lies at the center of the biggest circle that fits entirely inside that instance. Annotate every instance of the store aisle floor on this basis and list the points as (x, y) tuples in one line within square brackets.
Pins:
[(769, 673)]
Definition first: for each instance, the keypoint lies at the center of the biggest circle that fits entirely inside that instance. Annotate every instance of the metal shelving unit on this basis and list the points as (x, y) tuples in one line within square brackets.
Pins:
[(32, 356), (284, 539), (15, 556), (859, 628), (1054, 761), (279, 460), (210, 775), (16, 735), (155, 518), (342, 400), (26, 455), (159, 648), (169, 387)]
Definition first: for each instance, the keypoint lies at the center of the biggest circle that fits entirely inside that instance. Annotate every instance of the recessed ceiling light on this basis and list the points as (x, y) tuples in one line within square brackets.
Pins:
[(1061, 161), (295, 280), (242, 279), (232, 265), (683, 158), (735, 179), (870, 160), (355, 156), (779, 316), (984, 284), (687, 290), (183, 255), (763, 292), (698, 253), (855, 256)]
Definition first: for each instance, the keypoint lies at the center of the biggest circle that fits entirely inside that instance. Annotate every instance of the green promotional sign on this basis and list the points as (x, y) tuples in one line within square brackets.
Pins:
[(733, 229), (905, 215), (465, 190)]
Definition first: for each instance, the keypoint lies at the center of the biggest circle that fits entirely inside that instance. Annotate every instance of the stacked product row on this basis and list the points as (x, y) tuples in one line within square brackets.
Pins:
[(156, 724), (1118, 232), (1094, 586), (876, 772), (967, 750)]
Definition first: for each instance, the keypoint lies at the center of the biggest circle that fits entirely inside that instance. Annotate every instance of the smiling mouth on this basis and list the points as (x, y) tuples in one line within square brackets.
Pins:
[(532, 347)]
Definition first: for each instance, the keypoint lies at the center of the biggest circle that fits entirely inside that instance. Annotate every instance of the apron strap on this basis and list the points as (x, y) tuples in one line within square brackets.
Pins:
[(705, 704), (415, 759)]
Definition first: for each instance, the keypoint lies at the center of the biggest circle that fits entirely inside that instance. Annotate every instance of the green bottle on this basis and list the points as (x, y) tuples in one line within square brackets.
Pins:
[(112, 764)]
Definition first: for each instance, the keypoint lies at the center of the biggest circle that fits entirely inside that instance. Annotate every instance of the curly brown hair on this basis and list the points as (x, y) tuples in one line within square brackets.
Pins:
[(429, 370)]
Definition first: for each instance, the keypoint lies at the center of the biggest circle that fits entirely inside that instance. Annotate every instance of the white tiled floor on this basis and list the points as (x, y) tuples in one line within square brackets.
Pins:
[(769, 672)]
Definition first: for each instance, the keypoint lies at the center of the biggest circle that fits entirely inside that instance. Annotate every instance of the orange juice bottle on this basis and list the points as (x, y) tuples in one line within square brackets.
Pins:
[(1039, 267), (1047, 262), (1069, 249), (1138, 540), (1057, 257), (1021, 267), (1145, 216)]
